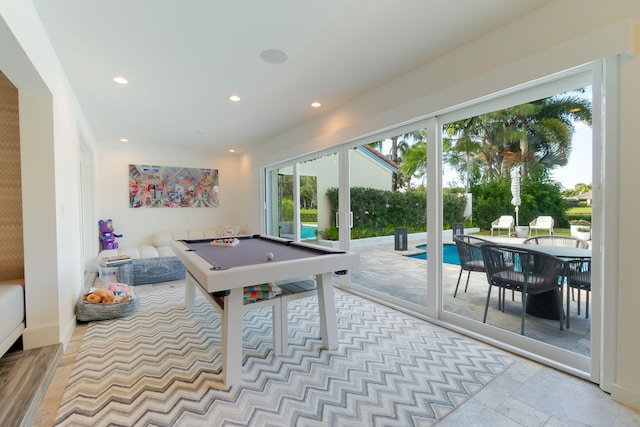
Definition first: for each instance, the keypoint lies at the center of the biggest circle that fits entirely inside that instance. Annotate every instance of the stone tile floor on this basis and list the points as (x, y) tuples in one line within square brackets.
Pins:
[(528, 393), (394, 273)]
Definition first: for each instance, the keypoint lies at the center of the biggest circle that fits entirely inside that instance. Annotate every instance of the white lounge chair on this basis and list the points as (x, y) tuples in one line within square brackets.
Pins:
[(542, 223), (505, 222)]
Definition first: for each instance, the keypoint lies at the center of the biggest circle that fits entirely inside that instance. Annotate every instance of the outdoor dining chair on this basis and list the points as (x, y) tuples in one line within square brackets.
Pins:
[(569, 242), (470, 256), (566, 241), (580, 279), (522, 270)]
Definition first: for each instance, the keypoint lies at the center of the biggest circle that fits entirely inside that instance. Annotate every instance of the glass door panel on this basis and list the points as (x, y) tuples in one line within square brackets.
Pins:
[(308, 199), (318, 199), (388, 204), (280, 218), (526, 161)]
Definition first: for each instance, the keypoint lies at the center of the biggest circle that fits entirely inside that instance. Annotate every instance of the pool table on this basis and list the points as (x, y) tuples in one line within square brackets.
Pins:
[(228, 269)]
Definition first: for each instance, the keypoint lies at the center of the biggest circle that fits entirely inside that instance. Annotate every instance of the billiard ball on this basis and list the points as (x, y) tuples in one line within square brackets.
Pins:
[(269, 256)]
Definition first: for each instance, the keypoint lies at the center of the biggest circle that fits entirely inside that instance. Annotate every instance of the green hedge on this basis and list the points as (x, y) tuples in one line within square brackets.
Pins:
[(306, 215), (309, 215), (379, 212)]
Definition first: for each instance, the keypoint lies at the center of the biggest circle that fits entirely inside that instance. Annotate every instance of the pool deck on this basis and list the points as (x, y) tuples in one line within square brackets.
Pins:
[(391, 272)]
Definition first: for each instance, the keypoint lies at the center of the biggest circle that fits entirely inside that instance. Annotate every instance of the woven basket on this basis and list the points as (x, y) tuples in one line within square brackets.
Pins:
[(87, 312)]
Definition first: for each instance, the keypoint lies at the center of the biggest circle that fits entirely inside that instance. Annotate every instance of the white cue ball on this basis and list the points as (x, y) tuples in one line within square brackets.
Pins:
[(269, 256)]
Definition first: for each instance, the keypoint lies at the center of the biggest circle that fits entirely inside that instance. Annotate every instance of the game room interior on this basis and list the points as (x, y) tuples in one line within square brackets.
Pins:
[(73, 170)]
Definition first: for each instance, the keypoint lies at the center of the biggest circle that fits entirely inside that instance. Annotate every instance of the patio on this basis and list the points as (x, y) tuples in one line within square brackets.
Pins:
[(391, 272)]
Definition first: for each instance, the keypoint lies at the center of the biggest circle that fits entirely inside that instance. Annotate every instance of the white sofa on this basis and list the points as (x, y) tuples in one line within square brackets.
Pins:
[(158, 263), (12, 316)]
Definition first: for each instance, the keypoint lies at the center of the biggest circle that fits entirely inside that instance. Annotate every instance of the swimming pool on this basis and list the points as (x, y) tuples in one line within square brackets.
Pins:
[(308, 231), (449, 253)]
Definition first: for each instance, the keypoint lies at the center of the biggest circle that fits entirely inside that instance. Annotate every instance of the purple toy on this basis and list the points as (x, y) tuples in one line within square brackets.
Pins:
[(107, 236)]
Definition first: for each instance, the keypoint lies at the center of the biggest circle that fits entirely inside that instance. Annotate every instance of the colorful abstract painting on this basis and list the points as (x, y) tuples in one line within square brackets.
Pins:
[(172, 187)]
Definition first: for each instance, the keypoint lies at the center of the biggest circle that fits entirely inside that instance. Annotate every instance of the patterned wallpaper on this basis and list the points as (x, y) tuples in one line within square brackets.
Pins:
[(11, 246)]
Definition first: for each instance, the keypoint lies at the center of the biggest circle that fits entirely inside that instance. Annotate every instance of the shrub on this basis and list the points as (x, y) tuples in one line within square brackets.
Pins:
[(308, 215), (580, 222), (287, 209), (493, 199), (379, 212)]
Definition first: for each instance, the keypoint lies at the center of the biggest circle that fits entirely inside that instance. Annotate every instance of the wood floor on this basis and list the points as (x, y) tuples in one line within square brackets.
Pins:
[(24, 379), (32, 382)]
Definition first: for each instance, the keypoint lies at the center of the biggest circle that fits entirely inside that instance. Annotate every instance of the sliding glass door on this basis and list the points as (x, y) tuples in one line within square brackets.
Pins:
[(301, 202), (388, 207), (524, 156), (280, 218), (398, 199)]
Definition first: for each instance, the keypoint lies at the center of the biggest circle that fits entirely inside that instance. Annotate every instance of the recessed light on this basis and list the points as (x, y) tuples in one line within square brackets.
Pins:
[(120, 80), (234, 98), (124, 140), (232, 150), (316, 104)]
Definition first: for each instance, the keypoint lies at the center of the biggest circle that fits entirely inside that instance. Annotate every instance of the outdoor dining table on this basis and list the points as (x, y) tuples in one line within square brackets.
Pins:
[(545, 304)]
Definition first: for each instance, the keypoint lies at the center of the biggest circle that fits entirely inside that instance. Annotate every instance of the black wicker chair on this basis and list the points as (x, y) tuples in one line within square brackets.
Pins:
[(569, 242), (522, 270), (470, 256), (580, 279), (566, 241)]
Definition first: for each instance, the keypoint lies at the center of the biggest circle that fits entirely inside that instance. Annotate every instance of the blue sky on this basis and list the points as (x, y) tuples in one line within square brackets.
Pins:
[(578, 170)]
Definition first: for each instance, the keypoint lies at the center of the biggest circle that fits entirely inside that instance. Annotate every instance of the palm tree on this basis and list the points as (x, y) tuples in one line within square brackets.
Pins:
[(414, 163), (399, 145), (467, 144), (538, 132)]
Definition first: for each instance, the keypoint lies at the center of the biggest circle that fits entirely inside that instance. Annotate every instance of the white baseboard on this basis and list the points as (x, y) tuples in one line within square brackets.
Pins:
[(625, 396)]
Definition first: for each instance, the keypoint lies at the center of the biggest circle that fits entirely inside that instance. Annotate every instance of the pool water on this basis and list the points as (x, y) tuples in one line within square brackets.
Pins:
[(308, 231), (449, 253)]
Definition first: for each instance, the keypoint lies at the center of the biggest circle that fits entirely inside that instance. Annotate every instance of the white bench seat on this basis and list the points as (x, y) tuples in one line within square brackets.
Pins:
[(12, 318)]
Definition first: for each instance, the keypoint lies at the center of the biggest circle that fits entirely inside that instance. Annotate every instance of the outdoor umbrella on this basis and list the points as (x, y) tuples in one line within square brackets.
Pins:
[(515, 189)]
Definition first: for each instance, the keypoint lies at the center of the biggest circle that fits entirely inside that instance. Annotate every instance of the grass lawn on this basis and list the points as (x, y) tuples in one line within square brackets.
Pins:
[(579, 210)]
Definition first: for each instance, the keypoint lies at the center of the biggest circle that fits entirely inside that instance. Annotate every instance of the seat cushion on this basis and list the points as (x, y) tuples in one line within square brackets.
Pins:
[(11, 308), (474, 265), (160, 269)]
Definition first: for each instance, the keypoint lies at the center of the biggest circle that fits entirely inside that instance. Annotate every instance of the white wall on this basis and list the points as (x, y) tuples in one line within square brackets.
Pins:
[(367, 172), (49, 123), (627, 384), (563, 35), (138, 224)]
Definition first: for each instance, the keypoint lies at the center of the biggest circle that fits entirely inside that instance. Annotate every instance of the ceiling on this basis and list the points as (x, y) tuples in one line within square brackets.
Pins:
[(183, 59)]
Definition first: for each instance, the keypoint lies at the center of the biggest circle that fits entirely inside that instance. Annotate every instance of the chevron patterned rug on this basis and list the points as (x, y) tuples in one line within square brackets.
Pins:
[(162, 367)]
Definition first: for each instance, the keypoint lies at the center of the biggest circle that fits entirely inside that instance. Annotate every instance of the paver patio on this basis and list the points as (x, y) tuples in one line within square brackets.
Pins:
[(392, 272)]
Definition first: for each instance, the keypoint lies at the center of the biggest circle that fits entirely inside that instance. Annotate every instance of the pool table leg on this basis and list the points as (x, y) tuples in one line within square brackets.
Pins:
[(232, 337), (190, 292), (327, 306)]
